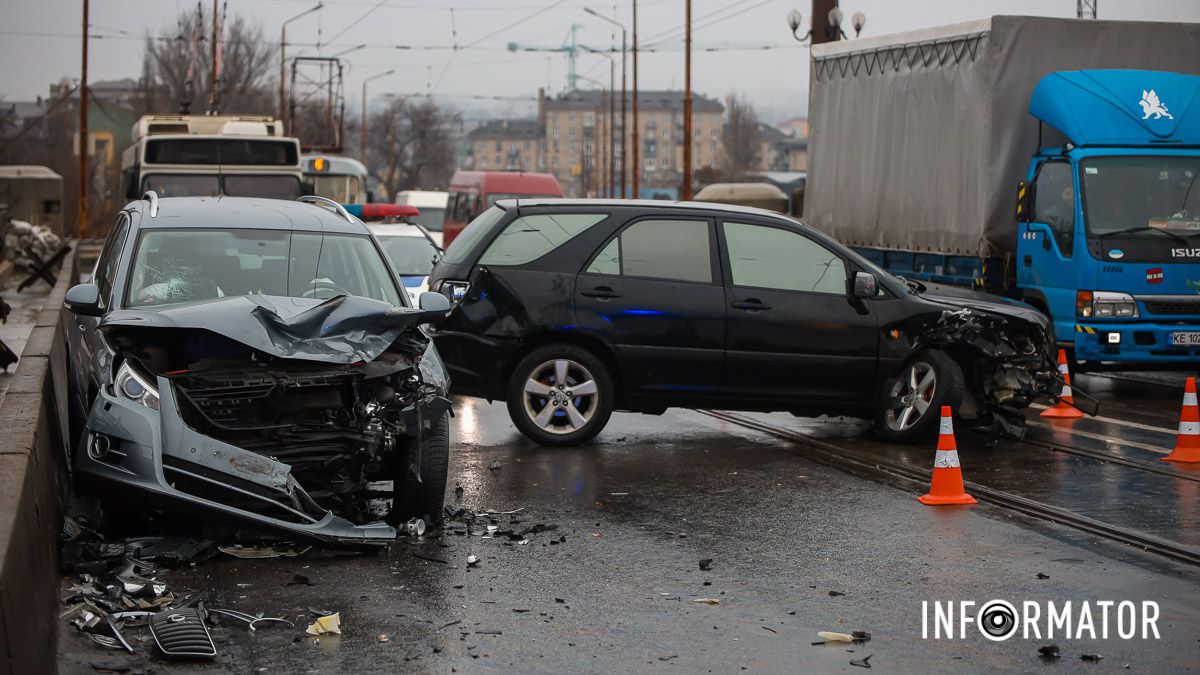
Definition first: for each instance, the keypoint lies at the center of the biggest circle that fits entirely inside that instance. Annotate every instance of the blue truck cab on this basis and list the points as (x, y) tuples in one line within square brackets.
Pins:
[(1108, 235)]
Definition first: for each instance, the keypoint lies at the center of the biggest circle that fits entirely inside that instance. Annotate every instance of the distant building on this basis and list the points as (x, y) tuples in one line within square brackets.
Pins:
[(795, 126), (512, 145), (578, 130)]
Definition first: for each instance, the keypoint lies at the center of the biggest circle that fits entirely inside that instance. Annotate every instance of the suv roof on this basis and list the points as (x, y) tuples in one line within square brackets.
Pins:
[(648, 204), (247, 213)]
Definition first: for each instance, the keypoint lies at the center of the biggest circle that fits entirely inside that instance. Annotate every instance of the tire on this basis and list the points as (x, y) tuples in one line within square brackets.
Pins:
[(424, 499), (900, 401), (550, 412)]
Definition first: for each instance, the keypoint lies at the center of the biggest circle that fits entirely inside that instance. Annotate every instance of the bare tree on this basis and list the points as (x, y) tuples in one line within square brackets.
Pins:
[(180, 65), (410, 145), (741, 135)]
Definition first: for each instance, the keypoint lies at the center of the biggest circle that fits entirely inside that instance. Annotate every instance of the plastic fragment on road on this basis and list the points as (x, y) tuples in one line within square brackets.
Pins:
[(326, 625), (1050, 652), (830, 636), (472, 560), (706, 564), (1091, 657), (257, 552), (864, 662), (708, 601)]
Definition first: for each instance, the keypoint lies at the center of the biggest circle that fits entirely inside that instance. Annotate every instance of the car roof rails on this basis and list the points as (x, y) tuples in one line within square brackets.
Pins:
[(152, 197), (325, 201)]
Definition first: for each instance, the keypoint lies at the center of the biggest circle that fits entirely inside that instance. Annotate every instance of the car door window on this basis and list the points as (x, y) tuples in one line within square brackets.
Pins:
[(1055, 203), (679, 250), (530, 237), (110, 257), (772, 257)]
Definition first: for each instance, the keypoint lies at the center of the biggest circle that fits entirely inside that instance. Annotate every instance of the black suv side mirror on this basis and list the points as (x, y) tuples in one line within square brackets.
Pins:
[(84, 300), (865, 285)]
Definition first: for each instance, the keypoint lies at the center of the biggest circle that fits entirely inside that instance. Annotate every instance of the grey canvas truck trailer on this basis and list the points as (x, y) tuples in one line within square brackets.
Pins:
[(919, 141)]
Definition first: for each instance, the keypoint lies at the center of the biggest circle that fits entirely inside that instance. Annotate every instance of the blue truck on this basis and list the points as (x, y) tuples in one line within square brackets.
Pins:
[(1056, 161)]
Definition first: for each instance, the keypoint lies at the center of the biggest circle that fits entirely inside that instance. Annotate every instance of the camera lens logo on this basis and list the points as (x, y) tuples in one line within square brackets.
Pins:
[(997, 620)]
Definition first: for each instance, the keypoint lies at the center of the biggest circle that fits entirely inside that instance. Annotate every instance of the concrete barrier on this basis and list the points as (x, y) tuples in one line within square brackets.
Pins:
[(33, 480)]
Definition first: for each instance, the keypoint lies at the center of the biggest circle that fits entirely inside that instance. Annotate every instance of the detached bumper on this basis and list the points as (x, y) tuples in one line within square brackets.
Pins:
[(1135, 343), (152, 455)]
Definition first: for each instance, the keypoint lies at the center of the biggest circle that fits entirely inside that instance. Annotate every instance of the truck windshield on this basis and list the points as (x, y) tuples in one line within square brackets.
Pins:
[(1141, 196), (235, 185)]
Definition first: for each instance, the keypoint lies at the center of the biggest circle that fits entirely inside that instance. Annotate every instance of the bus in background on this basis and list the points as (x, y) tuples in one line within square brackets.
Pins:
[(431, 207), (473, 192), (198, 155), (342, 179)]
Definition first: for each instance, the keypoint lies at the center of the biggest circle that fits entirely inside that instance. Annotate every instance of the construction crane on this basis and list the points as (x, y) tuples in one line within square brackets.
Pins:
[(569, 47)]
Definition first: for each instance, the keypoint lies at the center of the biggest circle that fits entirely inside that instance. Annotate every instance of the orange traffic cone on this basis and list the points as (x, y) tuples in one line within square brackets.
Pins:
[(1062, 410), (1187, 447), (947, 487)]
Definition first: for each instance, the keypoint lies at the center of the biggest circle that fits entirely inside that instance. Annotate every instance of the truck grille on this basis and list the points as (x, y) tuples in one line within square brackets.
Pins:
[(1173, 306)]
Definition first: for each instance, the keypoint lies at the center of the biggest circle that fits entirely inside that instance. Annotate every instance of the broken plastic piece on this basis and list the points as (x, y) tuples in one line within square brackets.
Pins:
[(182, 633), (326, 625), (706, 564), (864, 662), (472, 560), (708, 601), (256, 552), (1050, 652), (1091, 657), (414, 527), (831, 636)]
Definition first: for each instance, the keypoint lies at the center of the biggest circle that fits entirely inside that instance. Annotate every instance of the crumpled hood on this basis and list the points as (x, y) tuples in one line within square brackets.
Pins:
[(345, 329), (984, 302)]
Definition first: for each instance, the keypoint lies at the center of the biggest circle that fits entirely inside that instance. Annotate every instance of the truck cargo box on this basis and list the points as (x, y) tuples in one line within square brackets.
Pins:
[(919, 139)]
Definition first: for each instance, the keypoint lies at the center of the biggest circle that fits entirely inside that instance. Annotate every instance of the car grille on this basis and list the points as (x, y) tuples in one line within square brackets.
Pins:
[(181, 633), (1173, 307)]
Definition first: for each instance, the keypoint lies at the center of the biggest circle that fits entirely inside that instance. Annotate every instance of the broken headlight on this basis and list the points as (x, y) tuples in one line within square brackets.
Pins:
[(135, 387)]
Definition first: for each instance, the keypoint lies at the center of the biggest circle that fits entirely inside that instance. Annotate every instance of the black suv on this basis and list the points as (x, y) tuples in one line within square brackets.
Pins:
[(569, 309)]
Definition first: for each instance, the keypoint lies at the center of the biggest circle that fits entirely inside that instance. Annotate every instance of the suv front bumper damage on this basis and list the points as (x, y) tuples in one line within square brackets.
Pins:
[(129, 449)]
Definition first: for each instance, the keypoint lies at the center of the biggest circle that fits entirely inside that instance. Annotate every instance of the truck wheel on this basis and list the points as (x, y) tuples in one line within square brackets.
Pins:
[(910, 406), (424, 499), (560, 395)]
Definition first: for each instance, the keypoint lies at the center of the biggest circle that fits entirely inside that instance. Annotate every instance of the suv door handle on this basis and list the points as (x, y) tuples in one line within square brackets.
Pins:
[(603, 292), (751, 304)]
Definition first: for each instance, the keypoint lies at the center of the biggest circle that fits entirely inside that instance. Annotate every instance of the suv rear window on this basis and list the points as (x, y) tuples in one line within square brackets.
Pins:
[(530, 237), (471, 235)]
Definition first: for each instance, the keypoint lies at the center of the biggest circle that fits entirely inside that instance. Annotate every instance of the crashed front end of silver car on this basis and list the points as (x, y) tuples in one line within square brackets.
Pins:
[(272, 413)]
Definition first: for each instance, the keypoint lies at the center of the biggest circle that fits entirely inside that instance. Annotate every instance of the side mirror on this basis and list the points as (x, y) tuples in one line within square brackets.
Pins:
[(435, 305), (1025, 201), (865, 285), (83, 300)]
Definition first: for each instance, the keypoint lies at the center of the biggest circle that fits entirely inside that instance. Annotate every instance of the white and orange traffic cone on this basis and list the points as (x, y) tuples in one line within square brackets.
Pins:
[(947, 485), (1064, 409), (1187, 445)]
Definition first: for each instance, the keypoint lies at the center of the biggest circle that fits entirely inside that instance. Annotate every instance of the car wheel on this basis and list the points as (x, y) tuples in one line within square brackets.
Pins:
[(560, 395), (910, 406), (424, 499)]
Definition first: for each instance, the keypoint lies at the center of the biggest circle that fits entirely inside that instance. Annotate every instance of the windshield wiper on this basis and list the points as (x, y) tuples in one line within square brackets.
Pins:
[(1132, 230)]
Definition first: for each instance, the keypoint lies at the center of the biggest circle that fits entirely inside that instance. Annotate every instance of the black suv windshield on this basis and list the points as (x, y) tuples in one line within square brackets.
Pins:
[(1141, 196), (173, 266)]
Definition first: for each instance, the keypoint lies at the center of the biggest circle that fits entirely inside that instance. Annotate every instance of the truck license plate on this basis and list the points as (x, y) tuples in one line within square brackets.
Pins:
[(1185, 339)]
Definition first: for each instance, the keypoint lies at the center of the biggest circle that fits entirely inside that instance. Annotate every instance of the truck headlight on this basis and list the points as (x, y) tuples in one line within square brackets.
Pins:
[(135, 387), (1105, 305)]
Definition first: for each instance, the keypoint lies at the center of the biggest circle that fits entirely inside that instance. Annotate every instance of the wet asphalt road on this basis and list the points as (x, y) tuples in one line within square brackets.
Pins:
[(638, 509)]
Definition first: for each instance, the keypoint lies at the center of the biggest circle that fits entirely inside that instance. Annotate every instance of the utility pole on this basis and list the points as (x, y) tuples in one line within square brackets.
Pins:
[(686, 193), (362, 127), (212, 88), (82, 214), (1085, 9), (820, 21), (612, 136), (637, 167), (283, 59), (624, 63)]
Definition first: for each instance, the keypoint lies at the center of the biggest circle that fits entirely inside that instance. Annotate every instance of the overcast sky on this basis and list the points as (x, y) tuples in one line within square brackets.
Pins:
[(39, 41)]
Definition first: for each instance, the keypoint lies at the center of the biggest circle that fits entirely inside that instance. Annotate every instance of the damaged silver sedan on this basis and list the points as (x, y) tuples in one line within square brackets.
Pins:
[(253, 361)]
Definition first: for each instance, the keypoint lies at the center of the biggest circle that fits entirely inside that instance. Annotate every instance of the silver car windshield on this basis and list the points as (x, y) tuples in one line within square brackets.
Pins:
[(173, 266)]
